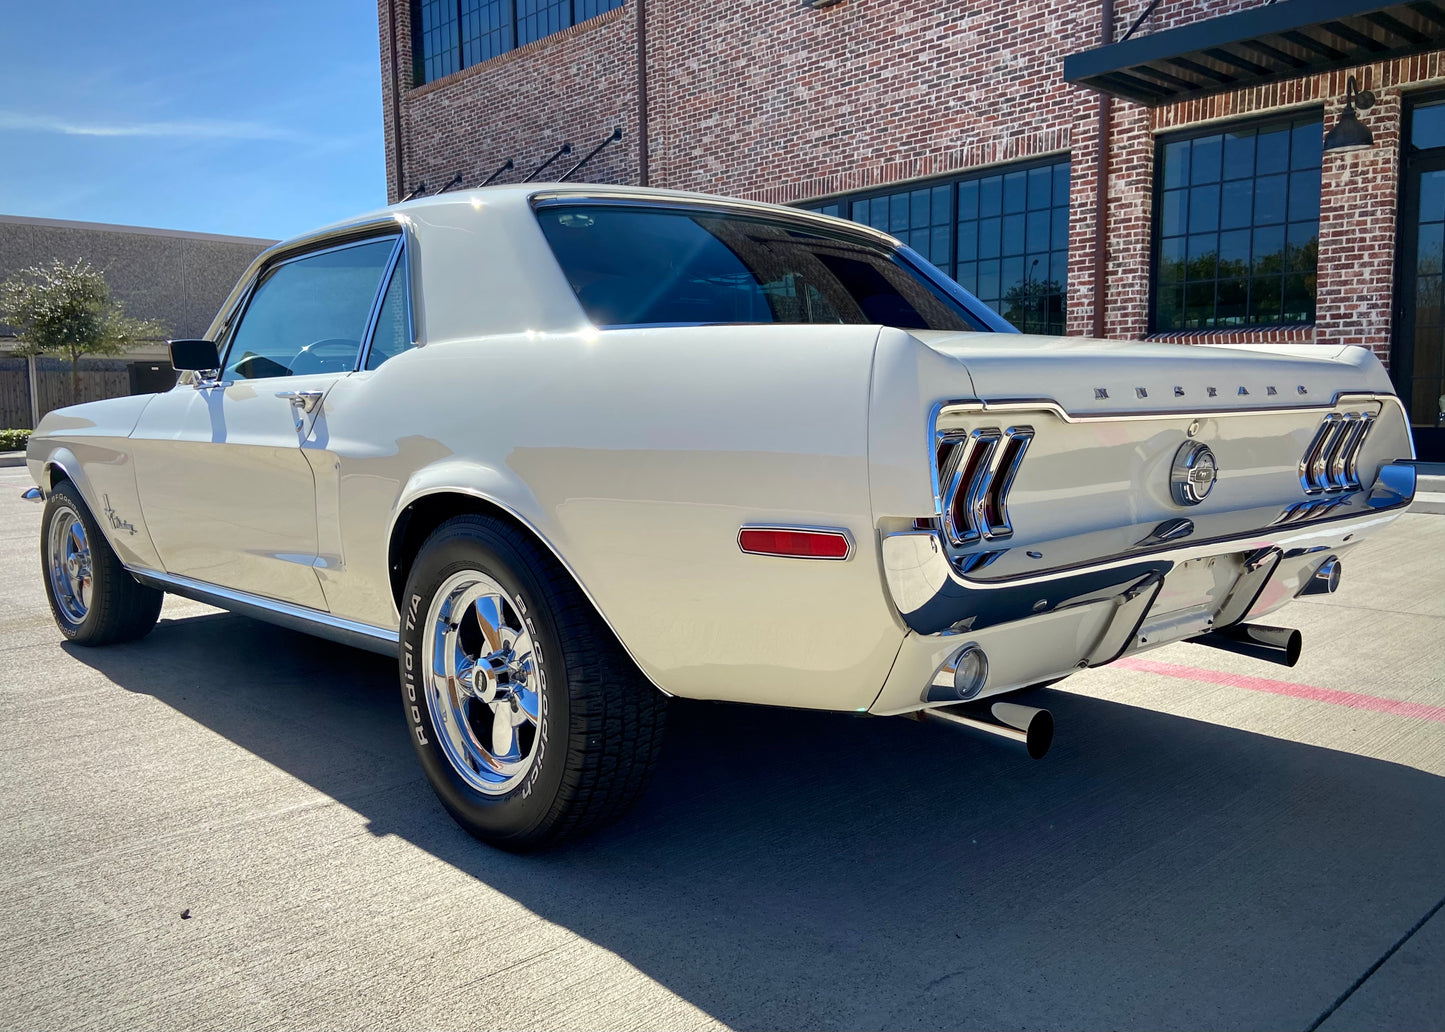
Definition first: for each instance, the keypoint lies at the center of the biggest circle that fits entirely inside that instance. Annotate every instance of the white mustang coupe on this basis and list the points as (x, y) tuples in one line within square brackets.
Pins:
[(567, 451)]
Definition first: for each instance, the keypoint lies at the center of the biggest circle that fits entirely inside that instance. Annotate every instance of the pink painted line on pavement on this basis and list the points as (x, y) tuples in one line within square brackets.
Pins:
[(1354, 700)]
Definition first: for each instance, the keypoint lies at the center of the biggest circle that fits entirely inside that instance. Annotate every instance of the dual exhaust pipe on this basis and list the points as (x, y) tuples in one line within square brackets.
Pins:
[(1280, 645), (1030, 727), (1034, 728)]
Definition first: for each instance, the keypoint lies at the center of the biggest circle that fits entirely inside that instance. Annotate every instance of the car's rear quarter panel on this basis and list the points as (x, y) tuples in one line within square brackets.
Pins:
[(637, 455)]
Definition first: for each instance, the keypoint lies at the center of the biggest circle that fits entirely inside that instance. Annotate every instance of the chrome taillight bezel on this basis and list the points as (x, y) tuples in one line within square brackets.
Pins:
[(1331, 462), (976, 471)]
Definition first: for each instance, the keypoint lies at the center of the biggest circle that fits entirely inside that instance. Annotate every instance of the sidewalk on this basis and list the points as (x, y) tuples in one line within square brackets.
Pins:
[(12, 458), (1429, 487)]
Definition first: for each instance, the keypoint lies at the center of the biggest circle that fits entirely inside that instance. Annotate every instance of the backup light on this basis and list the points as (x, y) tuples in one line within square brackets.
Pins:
[(970, 671)]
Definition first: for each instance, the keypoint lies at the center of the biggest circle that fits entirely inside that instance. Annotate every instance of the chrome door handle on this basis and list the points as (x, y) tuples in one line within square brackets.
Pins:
[(306, 401), (302, 404)]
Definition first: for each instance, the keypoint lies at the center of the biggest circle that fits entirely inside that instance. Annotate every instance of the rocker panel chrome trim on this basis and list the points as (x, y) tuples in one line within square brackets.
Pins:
[(283, 614)]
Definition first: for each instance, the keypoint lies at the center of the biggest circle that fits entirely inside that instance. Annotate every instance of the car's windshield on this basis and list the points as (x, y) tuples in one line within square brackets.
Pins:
[(633, 266)]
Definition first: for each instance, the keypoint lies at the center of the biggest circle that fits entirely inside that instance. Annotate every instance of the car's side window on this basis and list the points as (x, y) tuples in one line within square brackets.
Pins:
[(392, 335), (309, 314)]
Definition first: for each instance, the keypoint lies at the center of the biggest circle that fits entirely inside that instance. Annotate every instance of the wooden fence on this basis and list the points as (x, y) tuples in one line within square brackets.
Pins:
[(99, 378), (14, 394)]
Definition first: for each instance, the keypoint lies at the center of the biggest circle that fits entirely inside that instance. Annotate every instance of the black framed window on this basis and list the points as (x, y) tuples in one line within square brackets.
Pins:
[(1237, 225), (449, 35), (1002, 234)]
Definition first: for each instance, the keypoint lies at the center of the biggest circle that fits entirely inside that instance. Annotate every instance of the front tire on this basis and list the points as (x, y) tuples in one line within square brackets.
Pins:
[(530, 720), (94, 599)]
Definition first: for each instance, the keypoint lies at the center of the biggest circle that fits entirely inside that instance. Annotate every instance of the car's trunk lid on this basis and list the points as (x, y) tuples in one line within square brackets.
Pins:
[(1088, 376)]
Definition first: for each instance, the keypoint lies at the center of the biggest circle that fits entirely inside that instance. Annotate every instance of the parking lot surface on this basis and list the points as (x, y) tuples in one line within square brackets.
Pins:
[(1213, 842)]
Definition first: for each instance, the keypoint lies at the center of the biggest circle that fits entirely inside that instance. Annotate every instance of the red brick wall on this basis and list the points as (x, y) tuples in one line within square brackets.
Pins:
[(571, 87), (781, 103)]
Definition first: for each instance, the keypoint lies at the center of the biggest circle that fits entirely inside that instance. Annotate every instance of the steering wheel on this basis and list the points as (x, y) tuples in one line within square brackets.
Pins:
[(328, 355)]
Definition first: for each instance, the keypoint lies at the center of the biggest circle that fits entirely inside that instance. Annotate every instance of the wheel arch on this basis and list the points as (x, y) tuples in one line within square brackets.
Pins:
[(428, 509)]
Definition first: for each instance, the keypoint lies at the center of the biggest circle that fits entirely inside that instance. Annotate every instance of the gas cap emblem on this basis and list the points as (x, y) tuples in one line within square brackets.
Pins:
[(1192, 476)]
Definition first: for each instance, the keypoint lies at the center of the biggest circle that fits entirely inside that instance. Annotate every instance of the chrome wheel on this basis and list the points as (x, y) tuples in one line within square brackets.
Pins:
[(485, 682), (68, 560)]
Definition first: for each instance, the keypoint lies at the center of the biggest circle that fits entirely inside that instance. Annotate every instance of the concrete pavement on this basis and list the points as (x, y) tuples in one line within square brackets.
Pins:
[(1213, 842)]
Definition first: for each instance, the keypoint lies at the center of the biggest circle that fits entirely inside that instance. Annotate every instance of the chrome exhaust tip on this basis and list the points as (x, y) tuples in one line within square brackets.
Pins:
[(1032, 728), (1274, 644), (1326, 579)]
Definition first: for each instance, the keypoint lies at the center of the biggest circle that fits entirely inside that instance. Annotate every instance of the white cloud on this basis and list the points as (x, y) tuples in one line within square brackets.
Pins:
[(201, 129)]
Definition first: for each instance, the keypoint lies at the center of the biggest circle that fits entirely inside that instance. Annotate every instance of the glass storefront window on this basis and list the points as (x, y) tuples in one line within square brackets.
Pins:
[(1236, 222), (1003, 234)]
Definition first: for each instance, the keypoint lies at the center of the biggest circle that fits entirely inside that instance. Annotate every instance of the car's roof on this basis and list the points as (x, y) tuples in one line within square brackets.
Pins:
[(521, 194)]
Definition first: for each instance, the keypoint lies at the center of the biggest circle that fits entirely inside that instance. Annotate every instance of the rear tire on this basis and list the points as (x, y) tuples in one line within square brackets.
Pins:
[(94, 599), (530, 720)]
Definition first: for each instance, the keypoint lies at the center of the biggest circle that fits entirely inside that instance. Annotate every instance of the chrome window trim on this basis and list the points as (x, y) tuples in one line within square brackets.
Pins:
[(399, 260), (348, 235), (289, 259), (845, 230), (855, 231)]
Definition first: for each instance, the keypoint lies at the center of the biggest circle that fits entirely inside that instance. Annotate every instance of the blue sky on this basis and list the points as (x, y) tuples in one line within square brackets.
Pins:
[(255, 118)]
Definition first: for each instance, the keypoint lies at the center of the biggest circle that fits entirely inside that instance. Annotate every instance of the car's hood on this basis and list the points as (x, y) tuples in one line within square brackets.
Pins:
[(1086, 375)]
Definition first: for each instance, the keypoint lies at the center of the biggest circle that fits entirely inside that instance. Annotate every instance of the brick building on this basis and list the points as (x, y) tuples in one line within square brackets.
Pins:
[(1244, 199)]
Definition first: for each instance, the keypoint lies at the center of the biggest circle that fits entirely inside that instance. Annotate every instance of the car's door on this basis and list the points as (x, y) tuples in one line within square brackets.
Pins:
[(228, 495)]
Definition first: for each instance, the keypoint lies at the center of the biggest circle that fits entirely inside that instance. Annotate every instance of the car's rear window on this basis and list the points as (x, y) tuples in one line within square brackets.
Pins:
[(634, 266)]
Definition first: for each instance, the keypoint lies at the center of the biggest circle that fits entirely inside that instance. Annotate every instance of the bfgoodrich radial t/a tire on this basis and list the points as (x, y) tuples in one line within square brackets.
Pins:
[(94, 600), (532, 723)]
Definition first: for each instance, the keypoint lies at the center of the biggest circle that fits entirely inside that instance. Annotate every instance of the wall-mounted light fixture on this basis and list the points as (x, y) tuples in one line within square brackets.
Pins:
[(1349, 132), (819, 4)]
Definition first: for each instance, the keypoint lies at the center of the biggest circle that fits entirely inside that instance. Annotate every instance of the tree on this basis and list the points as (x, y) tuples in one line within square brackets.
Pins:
[(67, 310)]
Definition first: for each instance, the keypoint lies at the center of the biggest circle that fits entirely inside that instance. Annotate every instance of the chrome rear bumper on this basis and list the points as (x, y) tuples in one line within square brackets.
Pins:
[(1038, 628), (933, 596)]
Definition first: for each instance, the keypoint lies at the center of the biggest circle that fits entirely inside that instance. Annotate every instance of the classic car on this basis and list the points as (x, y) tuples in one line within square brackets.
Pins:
[(569, 450)]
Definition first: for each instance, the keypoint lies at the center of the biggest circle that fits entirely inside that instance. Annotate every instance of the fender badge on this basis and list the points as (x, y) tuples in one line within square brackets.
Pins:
[(116, 523)]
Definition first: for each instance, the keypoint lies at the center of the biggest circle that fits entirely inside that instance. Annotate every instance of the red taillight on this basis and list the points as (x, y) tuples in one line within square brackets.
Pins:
[(794, 544)]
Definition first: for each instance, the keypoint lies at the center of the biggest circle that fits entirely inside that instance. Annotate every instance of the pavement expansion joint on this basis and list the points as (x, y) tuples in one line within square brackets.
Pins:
[(1340, 1000)]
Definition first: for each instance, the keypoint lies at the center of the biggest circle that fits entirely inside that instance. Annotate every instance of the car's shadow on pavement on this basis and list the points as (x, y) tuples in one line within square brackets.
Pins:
[(796, 869)]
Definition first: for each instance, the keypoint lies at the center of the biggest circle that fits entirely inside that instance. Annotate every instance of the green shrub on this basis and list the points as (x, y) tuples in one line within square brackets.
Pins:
[(13, 440)]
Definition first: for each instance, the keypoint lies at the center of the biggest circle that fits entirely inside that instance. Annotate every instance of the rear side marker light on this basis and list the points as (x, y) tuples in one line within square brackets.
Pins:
[(795, 542)]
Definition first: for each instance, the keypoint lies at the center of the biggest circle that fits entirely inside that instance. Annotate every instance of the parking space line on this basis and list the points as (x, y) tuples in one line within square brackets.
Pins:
[(1354, 700)]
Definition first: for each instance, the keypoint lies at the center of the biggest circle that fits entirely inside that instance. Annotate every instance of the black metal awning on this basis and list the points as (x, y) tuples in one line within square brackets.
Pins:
[(1261, 45)]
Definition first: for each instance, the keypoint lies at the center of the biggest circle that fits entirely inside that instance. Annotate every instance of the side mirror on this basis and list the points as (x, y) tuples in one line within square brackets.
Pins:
[(194, 355)]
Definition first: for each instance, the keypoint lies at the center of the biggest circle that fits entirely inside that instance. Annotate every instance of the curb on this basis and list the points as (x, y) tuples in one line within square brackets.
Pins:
[(12, 458)]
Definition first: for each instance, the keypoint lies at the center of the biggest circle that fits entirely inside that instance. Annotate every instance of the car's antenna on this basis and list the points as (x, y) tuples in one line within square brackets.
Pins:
[(456, 180), (616, 135), (507, 166), (416, 191), (566, 148)]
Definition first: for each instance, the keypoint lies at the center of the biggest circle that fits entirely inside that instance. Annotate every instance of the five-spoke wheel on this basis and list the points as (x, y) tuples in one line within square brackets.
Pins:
[(94, 598), (530, 720), (484, 679), (68, 559)]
